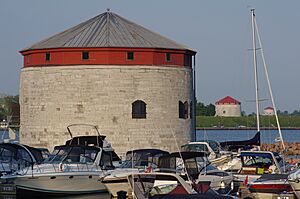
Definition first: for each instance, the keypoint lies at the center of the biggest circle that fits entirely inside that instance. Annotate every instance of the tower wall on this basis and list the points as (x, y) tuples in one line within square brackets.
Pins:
[(228, 110), (54, 97)]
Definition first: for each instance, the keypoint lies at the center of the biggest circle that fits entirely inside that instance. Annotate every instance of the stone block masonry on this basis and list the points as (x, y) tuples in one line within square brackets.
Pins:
[(53, 97)]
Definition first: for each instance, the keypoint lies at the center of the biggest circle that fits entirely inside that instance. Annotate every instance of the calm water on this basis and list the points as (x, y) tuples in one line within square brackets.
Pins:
[(5, 135), (267, 136)]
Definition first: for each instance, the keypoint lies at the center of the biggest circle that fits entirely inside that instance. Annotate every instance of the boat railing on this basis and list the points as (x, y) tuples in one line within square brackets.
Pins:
[(10, 166), (58, 167)]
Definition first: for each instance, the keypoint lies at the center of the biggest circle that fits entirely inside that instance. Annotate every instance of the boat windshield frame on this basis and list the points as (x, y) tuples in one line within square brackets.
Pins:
[(142, 158), (195, 147), (67, 154)]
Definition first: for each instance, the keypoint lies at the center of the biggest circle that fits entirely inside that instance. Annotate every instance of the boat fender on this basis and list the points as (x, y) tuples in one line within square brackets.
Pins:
[(61, 166)]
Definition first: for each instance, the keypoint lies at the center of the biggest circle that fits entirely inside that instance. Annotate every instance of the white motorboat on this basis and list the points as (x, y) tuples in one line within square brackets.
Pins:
[(211, 148), (158, 185), (136, 161), (195, 166), (73, 168), (257, 163), (270, 186), (294, 180)]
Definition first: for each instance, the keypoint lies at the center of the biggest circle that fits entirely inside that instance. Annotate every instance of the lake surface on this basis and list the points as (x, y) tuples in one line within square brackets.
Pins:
[(4, 134), (267, 136)]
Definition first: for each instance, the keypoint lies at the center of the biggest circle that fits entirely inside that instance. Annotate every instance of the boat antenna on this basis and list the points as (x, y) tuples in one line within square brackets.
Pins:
[(269, 85), (255, 69), (184, 168)]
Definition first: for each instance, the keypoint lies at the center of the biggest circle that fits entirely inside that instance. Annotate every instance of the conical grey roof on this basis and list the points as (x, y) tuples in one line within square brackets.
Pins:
[(107, 30)]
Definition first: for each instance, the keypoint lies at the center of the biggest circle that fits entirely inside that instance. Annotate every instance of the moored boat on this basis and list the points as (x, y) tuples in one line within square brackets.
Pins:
[(158, 185), (294, 180), (270, 186), (136, 161), (211, 148), (73, 168), (257, 163), (195, 166)]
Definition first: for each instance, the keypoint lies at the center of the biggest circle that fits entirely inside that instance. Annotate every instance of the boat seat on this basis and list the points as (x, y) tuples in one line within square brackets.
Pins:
[(254, 170), (249, 170)]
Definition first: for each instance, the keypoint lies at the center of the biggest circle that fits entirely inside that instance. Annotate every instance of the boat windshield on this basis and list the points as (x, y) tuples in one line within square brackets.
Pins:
[(73, 154), (142, 158), (280, 161), (215, 146), (194, 148)]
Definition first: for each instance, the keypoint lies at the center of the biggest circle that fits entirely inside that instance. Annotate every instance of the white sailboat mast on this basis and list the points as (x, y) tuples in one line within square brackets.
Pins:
[(255, 70), (269, 84)]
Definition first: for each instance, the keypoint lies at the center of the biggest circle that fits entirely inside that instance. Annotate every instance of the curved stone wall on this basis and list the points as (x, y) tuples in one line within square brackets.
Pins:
[(51, 98), (228, 110)]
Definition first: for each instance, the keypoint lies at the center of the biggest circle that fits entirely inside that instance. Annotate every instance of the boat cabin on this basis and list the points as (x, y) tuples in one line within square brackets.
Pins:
[(202, 147), (96, 141), (260, 162), (167, 185), (141, 158), (14, 156), (79, 154), (194, 163)]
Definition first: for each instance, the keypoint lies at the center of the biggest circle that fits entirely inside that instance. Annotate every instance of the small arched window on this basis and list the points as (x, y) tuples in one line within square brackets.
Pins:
[(186, 110), (139, 109), (183, 109), (191, 109)]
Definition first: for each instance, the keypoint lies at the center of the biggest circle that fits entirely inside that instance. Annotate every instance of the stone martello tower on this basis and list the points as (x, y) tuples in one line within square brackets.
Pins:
[(136, 85)]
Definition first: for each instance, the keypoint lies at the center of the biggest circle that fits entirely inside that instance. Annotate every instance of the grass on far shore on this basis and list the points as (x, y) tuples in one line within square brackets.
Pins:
[(247, 121)]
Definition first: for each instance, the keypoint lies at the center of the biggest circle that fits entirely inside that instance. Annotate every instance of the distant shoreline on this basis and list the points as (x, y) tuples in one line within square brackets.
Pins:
[(246, 128)]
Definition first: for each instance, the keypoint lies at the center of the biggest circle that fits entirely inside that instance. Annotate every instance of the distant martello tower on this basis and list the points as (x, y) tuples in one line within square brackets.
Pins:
[(136, 85)]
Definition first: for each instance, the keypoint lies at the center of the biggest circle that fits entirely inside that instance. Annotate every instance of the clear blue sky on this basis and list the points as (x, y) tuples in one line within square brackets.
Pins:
[(220, 31)]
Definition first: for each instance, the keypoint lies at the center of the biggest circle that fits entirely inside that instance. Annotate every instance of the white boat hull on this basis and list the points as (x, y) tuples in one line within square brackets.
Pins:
[(114, 187), (296, 187), (56, 184)]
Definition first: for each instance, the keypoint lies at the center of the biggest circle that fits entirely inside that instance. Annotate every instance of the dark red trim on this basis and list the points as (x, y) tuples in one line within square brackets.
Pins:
[(270, 188), (107, 56)]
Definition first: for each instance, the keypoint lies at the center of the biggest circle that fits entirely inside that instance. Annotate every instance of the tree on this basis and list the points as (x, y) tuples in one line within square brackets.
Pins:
[(296, 112), (211, 110), (10, 107), (202, 110)]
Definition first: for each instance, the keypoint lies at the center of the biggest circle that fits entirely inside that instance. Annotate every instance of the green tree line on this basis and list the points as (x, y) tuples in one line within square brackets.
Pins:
[(9, 107), (205, 110)]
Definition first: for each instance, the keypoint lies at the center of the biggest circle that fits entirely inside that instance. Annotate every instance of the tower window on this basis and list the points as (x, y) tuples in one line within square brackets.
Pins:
[(168, 56), (130, 56), (85, 55), (183, 109), (139, 109), (27, 58), (186, 110), (191, 109), (47, 57)]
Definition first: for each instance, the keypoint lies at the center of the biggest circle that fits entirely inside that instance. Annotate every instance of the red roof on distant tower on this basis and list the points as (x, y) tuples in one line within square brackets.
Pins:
[(269, 108), (228, 100)]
